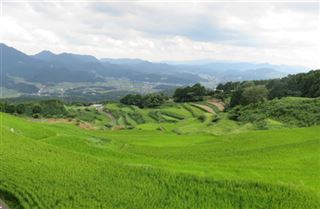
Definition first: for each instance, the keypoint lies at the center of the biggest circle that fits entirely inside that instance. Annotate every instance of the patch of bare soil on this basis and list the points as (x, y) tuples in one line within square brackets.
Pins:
[(52, 120), (87, 126), (219, 104), (205, 107), (59, 120), (118, 127), (3, 205)]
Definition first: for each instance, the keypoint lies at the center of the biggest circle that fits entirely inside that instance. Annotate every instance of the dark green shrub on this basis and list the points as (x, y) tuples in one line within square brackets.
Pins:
[(20, 108), (36, 109), (216, 118), (36, 115), (8, 108), (202, 118)]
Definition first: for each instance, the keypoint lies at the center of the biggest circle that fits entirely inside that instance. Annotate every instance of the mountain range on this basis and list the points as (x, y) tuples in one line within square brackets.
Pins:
[(25, 73)]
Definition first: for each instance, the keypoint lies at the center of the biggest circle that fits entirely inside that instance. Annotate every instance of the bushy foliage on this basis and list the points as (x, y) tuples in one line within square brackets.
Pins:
[(291, 111), (36, 109), (249, 95), (153, 100), (142, 101), (254, 94), (8, 108), (46, 108), (132, 99), (20, 108), (299, 85), (52, 108), (190, 93)]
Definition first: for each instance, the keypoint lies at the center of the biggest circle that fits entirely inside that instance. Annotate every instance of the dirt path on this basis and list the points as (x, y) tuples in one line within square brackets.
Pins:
[(219, 104), (109, 115), (3, 205), (205, 107)]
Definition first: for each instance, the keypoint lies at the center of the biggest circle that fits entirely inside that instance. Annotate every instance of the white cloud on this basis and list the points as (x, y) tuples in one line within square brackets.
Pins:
[(283, 33)]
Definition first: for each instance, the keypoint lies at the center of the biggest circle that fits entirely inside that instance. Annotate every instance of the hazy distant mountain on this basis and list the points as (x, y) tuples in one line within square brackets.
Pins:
[(221, 71), (209, 65), (18, 64), (49, 56), (123, 61), (45, 55), (251, 74), (73, 62), (49, 68), (132, 69)]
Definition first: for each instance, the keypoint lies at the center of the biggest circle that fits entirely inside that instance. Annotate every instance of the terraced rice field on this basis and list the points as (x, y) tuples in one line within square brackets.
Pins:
[(171, 157)]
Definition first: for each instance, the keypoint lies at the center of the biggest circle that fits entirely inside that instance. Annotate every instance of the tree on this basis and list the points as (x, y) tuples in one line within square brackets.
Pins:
[(298, 85), (154, 100), (236, 98), (190, 93), (36, 109), (253, 94), (311, 84), (2, 107), (220, 87), (20, 108), (132, 99), (149, 100), (52, 107), (8, 108), (277, 89)]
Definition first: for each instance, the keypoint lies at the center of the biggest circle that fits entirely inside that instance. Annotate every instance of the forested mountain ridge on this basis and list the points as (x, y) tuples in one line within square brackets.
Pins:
[(47, 67), (46, 73)]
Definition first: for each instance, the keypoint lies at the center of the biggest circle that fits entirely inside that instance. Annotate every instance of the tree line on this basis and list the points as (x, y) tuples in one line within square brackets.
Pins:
[(142, 101), (248, 92), (184, 94), (46, 108)]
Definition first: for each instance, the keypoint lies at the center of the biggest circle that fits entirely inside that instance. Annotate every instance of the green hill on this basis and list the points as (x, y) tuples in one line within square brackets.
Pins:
[(57, 165)]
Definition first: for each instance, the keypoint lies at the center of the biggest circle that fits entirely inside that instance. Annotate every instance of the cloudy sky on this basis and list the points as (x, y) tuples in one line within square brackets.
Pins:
[(279, 33)]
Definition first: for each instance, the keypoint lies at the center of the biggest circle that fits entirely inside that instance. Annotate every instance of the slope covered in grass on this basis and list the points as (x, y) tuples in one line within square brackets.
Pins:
[(62, 166)]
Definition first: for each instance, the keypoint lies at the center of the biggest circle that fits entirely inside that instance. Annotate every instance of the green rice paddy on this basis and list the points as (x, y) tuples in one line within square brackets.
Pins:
[(175, 156)]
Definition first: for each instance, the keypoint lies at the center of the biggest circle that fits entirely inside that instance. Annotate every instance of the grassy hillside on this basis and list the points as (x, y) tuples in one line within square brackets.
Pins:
[(198, 164), (292, 111)]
